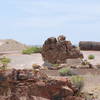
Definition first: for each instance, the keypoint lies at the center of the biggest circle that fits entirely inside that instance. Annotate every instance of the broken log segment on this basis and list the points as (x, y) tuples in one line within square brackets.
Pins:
[(89, 45)]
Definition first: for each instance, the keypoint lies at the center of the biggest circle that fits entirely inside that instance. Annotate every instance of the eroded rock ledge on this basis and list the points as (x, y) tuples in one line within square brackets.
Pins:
[(58, 50), (29, 85)]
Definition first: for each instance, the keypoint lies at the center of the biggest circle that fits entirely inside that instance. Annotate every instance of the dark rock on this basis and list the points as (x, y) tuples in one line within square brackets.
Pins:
[(39, 88), (89, 45), (57, 51)]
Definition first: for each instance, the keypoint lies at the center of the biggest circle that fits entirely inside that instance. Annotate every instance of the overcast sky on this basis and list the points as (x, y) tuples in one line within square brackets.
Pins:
[(32, 21)]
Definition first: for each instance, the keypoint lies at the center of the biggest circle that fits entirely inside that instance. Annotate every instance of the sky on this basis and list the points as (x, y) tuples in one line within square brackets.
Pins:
[(33, 21)]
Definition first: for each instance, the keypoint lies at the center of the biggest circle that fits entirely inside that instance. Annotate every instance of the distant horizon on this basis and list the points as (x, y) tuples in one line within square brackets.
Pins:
[(33, 21), (41, 43)]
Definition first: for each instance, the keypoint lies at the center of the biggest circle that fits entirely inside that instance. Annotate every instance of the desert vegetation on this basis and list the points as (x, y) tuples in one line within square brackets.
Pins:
[(90, 57), (55, 65), (78, 82), (4, 62), (66, 72), (32, 50)]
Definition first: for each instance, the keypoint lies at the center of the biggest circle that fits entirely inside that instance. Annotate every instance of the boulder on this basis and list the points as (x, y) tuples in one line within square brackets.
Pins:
[(35, 66), (58, 50)]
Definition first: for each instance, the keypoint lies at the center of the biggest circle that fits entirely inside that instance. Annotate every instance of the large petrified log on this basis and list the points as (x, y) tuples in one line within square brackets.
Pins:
[(58, 50), (89, 45), (36, 88)]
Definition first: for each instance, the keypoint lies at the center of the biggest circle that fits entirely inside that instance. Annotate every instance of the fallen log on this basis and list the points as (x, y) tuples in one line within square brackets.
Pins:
[(36, 88), (89, 45)]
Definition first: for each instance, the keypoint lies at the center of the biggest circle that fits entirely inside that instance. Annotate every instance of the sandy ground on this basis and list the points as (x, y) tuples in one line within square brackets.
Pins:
[(95, 53), (20, 61), (92, 84), (26, 61)]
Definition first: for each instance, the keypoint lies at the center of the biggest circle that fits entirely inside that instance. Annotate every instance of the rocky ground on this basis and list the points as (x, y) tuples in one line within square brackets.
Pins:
[(92, 84), (29, 85), (92, 78)]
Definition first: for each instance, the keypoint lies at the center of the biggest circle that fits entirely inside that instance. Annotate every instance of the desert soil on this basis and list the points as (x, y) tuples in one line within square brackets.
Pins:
[(20, 61), (95, 53), (25, 61), (92, 78)]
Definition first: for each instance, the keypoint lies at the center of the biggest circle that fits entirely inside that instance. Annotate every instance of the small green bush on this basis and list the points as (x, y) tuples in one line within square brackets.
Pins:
[(78, 82), (66, 72), (32, 50), (91, 57), (55, 65), (36, 49), (27, 51), (4, 61)]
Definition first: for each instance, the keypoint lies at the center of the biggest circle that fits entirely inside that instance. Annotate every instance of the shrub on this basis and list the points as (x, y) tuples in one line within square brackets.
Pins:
[(4, 61), (32, 50), (36, 49), (91, 57), (66, 72), (78, 82), (55, 65), (27, 51)]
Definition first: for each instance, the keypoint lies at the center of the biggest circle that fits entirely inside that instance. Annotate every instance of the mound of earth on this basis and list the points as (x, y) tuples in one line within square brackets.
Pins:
[(11, 45)]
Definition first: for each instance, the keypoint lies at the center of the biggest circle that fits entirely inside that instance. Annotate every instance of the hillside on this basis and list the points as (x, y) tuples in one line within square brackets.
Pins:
[(11, 45)]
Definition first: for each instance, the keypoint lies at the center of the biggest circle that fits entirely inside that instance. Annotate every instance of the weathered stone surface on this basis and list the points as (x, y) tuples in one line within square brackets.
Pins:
[(36, 88), (58, 50)]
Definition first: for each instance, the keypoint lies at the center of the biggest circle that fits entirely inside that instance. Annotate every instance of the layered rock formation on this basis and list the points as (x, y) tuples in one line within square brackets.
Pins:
[(18, 85), (58, 50)]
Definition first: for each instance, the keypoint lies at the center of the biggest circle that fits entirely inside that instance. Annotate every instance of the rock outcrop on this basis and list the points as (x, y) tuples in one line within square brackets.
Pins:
[(58, 50), (14, 86)]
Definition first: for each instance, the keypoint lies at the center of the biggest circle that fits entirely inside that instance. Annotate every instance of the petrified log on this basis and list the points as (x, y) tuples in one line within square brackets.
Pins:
[(89, 45), (58, 50), (58, 88)]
